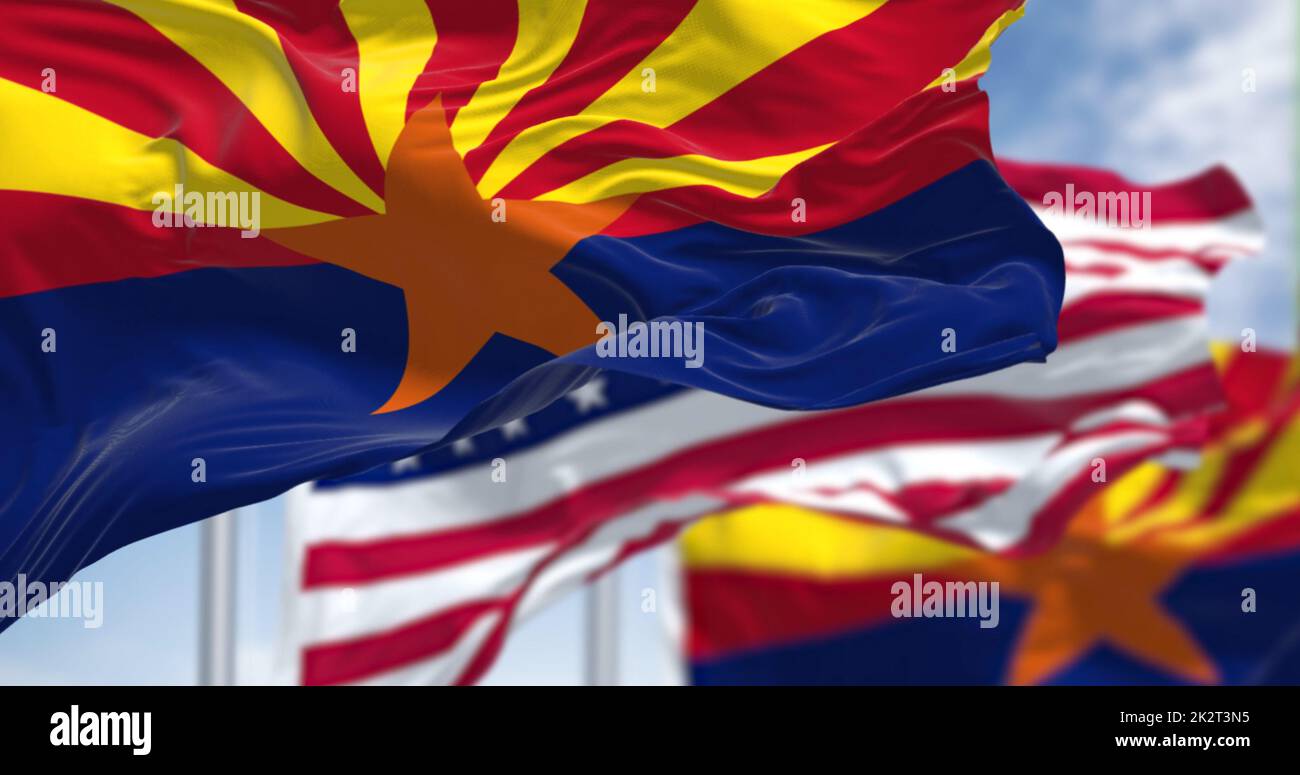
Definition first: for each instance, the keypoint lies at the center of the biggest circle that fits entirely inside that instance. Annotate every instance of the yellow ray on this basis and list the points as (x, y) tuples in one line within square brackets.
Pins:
[(748, 178), (689, 69), (1222, 353), (547, 29), (1188, 500), (246, 56), (55, 147), (1270, 490), (394, 41), (790, 539), (1121, 501), (977, 61)]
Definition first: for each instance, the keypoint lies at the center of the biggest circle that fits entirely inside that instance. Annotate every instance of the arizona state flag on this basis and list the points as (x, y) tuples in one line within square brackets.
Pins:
[(249, 244), (1167, 576)]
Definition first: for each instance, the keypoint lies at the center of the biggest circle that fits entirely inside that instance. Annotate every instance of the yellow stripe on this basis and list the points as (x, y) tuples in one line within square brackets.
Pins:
[(547, 29), (246, 56), (981, 56), (788, 539), (719, 44), (748, 178), (394, 41), (55, 147)]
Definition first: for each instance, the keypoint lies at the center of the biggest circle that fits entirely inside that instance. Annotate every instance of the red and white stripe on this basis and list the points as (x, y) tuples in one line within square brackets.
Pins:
[(419, 581)]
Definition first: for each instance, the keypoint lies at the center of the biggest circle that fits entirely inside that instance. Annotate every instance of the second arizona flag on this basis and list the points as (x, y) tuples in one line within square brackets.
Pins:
[(249, 244)]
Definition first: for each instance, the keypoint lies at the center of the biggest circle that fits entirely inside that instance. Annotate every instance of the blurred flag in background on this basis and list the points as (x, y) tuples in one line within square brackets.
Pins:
[(1167, 575), (416, 572), (250, 244)]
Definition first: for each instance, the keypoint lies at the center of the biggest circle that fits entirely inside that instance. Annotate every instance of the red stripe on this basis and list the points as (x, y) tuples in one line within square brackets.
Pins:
[(358, 658), (925, 138), (881, 60), (1214, 193), (318, 44), (1104, 312), (474, 40), (99, 242), (612, 38), (724, 617), (115, 65), (725, 460)]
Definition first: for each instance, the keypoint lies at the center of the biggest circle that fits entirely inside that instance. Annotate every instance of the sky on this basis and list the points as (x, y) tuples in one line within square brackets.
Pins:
[(1152, 89)]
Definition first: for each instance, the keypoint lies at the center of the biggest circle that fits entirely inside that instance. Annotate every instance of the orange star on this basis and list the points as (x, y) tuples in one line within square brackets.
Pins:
[(1089, 590), (465, 275)]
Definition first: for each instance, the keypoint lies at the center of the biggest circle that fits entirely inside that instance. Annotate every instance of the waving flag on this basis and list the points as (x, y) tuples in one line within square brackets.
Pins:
[(250, 244), (416, 571), (1168, 576)]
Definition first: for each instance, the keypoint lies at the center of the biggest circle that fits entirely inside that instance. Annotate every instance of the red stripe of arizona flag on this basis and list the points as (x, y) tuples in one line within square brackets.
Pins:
[(251, 244)]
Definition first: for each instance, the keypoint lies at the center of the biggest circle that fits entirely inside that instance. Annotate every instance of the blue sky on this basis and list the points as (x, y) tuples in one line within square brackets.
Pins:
[(1149, 88)]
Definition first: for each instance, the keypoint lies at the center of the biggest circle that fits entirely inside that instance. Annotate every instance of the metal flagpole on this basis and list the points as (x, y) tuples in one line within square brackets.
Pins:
[(602, 630), (217, 600)]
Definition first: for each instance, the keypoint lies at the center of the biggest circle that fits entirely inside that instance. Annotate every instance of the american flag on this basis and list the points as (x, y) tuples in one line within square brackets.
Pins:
[(416, 572)]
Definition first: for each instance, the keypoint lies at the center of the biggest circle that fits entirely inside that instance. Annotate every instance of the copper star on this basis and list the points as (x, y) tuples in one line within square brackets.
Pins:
[(465, 275), (1091, 589)]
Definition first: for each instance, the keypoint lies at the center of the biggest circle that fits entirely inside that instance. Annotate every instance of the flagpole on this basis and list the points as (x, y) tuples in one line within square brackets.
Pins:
[(602, 630), (217, 600)]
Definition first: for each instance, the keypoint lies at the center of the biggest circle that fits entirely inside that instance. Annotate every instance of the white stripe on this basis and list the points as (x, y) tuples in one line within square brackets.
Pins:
[(1243, 232), (1150, 280), (1136, 411), (340, 613), (1110, 361)]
